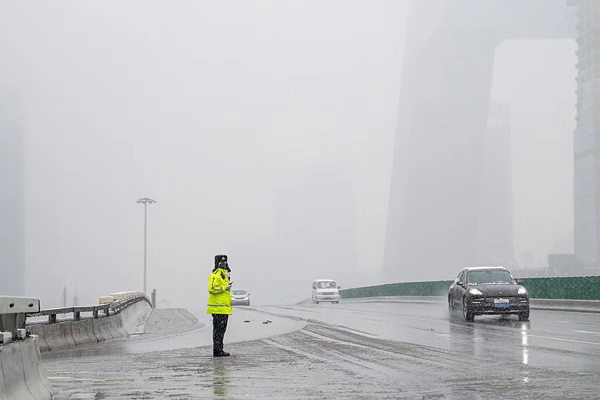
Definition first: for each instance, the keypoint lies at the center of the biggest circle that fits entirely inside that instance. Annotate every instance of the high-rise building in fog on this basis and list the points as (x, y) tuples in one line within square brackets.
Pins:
[(495, 245), (448, 67), (12, 257), (587, 138)]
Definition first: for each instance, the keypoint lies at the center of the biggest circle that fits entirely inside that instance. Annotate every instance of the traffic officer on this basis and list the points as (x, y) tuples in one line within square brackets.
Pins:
[(219, 302)]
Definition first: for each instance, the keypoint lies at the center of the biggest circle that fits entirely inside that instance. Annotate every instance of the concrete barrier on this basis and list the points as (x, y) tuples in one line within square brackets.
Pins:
[(125, 320), (3, 394), (121, 325), (103, 326), (125, 295), (88, 327), (35, 376), (22, 376), (135, 317), (115, 326), (54, 336), (14, 374), (83, 332), (589, 306), (67, 332), (38, 330), (97, 331)]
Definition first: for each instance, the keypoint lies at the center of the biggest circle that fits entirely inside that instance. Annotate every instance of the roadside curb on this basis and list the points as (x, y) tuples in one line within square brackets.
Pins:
[(587, 306), (397, 299)]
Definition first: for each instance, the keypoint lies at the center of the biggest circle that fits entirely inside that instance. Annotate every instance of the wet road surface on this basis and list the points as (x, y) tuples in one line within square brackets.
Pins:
[(346, 350), (570, 340)]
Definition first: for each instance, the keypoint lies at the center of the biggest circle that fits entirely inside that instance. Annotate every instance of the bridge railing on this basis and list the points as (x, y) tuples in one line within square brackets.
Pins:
[(555, 288), (70, 313), (77, 313)]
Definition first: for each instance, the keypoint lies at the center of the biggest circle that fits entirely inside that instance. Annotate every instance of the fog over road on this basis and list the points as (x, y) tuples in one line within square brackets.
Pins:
[(346, 350)]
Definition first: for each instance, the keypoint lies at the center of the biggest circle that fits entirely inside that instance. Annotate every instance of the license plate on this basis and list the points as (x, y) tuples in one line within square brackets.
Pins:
[(328, 298), (501, 303)]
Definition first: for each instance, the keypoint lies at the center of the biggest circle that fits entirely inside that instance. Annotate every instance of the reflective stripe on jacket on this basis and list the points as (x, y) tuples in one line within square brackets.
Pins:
[(219, 298)]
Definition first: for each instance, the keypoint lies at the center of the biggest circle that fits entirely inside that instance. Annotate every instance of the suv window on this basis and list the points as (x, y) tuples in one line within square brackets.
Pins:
[(490, 276)]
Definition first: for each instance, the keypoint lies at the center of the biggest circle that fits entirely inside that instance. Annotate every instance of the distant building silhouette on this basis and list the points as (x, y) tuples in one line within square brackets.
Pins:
[(495, 243), (436, 186), (12, 198), (587, 139)]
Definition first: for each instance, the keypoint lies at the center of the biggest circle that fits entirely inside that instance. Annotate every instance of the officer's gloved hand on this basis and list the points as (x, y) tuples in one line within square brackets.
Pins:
[(228, 288)]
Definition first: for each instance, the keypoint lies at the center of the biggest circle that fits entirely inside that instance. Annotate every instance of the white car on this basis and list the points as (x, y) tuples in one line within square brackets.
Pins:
[(325, 290), (240, 297)]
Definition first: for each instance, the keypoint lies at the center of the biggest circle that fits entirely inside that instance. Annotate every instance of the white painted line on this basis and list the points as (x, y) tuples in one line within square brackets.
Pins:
[(564, 340), (590, 332), (349, 330)]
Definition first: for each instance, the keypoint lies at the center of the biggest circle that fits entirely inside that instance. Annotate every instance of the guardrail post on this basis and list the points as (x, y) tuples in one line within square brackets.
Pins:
[(13, 312), (76, 315), (95, 312), (52, 318)]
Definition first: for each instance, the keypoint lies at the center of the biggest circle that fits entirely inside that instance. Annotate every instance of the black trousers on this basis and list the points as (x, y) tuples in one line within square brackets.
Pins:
[(219, 328)]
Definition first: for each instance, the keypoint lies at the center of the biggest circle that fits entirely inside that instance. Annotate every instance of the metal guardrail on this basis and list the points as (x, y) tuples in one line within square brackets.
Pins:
[(119, 305), (587, 306), (76, 311), (556, 288), (564, 288), (99, 311), (433, 288)]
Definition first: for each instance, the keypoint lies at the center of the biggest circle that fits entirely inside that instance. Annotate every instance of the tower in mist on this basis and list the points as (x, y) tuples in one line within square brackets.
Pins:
[(586, 182), (436, 186), (494, 239), (12, 255)]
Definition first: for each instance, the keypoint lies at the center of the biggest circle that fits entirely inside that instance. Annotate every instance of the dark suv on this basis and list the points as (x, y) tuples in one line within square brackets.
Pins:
[(487, 290)]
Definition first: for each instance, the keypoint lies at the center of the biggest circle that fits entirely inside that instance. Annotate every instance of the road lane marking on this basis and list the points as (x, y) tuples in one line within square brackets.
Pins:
[(448, 323), (564, 340), (590, 332)]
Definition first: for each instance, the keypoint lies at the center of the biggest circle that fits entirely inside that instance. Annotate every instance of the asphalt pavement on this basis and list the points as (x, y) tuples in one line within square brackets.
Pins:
[(346, 350)]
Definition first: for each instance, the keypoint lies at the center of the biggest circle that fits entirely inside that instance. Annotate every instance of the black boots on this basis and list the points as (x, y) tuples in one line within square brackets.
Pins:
[(220, 354)]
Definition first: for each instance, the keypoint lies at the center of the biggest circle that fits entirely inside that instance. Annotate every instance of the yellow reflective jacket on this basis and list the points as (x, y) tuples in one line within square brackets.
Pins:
[(219, 298)]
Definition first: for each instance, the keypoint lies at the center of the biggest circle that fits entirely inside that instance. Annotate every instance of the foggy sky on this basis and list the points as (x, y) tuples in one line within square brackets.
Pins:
[(265, 131)]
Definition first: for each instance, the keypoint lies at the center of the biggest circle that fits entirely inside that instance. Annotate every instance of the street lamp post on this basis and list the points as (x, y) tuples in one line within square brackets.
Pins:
[(145, 201)]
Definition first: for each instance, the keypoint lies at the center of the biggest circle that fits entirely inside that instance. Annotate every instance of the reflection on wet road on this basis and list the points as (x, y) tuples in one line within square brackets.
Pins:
[(550, 339), (347, 350), (245, 325)]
